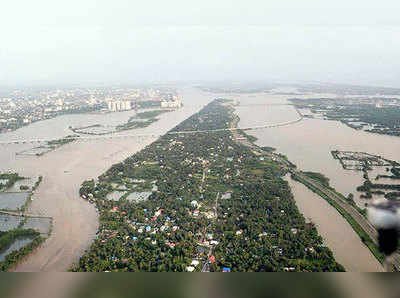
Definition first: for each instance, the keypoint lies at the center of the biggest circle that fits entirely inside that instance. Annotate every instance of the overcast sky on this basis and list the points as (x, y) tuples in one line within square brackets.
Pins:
[(82, 41)]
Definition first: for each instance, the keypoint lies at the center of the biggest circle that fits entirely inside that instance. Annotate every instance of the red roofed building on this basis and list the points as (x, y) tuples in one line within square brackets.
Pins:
[(212, 259)]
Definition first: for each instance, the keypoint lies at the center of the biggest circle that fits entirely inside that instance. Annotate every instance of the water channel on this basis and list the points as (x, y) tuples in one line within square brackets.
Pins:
[(75, 221)]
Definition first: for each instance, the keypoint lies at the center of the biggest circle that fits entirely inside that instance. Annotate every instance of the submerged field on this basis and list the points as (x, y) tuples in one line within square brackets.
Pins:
[(217, 206)]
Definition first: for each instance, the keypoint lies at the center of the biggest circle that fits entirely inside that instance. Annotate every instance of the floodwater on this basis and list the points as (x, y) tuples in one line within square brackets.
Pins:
[(338, 235), (308, 144), (29, 182), (138, 196), (9, 222), (17, 244), (75, 221), (39, 224), (12, 200)]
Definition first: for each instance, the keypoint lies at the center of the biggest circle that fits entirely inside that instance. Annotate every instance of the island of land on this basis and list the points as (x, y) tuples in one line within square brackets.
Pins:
[(214, 204)]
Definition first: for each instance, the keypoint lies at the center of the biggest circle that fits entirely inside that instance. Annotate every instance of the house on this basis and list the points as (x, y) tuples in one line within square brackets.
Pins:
[(239, 232), (212, 259), (195, 263), (194, 203), (226, 195), (294, 231), (148, 228), (210, 214), (309, 249), (214, 242), (226, 269), (289, 268), (190, 269)]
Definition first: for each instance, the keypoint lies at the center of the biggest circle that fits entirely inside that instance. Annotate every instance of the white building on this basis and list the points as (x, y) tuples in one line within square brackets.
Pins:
[(117, 105), (171, 104)]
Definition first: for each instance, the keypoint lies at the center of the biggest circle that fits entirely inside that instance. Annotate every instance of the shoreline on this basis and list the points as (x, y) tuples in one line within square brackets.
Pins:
[(371, 248), (75, 220)]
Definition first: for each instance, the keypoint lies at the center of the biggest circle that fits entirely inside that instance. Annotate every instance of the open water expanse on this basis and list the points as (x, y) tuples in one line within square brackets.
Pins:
[(307, 143), (75, 221), (12, 200)]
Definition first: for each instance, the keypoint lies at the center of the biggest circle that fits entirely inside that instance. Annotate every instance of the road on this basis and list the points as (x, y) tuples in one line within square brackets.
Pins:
[(153, 135), (206, 266), (353, 212)]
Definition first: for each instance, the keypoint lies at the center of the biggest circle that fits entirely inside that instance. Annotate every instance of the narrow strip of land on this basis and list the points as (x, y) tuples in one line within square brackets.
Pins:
[(350, 210)]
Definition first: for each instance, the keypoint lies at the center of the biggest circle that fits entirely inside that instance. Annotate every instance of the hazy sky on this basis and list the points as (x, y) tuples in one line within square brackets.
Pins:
[(79, 41)]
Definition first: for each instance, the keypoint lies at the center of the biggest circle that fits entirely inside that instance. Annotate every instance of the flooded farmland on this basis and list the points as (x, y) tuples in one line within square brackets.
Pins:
[(75, 221), (17, 244), (12, 200), (9, 222), (308, 144)]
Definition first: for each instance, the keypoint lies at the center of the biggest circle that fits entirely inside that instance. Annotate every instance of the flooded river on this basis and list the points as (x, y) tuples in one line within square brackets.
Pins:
[(75, 221), (308, 144), (338, 235)]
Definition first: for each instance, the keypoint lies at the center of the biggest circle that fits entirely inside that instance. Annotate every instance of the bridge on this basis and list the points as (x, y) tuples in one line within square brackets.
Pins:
[(119, 136), (264, 104)]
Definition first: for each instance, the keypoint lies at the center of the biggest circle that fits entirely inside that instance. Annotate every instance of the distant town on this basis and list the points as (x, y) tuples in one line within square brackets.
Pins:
[(21, 107)]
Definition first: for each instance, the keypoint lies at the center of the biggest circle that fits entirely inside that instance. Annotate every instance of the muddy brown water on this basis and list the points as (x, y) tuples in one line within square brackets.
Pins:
[(75, 221)]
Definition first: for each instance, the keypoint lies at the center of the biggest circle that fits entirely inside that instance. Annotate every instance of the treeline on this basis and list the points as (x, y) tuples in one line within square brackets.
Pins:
[(257, 228), (11, 179), (9, 237)]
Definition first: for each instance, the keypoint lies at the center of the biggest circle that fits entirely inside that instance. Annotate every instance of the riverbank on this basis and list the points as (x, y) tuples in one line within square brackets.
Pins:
[(356, 247), (75, 220), (234, 210), (338, 235)]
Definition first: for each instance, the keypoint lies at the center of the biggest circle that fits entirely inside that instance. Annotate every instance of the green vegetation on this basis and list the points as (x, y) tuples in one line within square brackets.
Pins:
[(57, 143), (357, 228), (11, 179), (149, 104), (8, 238), (136, 124), (382, 119), (149, 114), (250, 138), (214, 197), (268, 149), (318, 177), (35, 186)]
